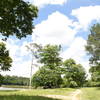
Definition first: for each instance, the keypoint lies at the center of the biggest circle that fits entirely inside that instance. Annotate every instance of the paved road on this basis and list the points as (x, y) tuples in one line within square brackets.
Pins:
[(3, 88)]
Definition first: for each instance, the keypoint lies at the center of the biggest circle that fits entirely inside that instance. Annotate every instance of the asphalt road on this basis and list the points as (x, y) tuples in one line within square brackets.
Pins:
[(3, 88)]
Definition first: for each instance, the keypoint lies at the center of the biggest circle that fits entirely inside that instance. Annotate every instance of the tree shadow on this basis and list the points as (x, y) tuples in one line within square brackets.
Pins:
[(22, 97), (98, 88)]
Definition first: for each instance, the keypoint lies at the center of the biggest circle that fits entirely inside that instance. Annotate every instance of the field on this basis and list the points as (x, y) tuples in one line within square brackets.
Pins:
[(35, 94), (42, 94), (90, 94)]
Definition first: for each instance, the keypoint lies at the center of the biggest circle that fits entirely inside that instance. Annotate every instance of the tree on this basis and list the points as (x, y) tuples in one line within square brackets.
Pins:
[(49, 56), (93, 45), (49, 75), (46, 78), (15, 80), (16, 18), (1, 79), (5, 60), (34, 48), (93, 49), (74, 74)]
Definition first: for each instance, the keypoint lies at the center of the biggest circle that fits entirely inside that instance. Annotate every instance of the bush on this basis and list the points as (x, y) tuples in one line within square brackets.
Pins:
[(46, 78)]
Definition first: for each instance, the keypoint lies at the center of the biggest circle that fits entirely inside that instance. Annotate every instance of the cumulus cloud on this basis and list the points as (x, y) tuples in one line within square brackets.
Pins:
[(42, 3), (55, 30), (59, 29), (77, 52), (86, 15), (18, 53)]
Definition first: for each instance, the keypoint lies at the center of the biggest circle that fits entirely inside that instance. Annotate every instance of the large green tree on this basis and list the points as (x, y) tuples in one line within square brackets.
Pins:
[(49, 56), (16, 18), (74, 74), (93, 49), (5, 60), (49, 75)]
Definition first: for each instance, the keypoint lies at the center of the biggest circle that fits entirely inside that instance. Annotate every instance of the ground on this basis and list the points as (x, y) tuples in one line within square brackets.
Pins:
[(52, 94)]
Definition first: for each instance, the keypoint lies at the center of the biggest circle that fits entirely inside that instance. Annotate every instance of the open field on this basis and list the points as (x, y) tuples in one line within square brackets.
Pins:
[(35, 94), (52, 94), (90, 93)]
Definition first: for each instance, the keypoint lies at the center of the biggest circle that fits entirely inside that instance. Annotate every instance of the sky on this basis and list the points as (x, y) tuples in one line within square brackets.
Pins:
[(64, 22)]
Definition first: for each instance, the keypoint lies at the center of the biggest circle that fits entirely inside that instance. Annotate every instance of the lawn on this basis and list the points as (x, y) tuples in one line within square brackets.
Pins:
[(40, 94), (90, 94), (35, 94)]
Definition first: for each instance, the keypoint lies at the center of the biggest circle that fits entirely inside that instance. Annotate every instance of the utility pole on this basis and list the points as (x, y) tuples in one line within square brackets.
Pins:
[(30, 85), (32, 47)]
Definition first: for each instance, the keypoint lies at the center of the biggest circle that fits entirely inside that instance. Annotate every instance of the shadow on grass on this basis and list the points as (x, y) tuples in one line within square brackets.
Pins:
[(98, 88), (21, 97)]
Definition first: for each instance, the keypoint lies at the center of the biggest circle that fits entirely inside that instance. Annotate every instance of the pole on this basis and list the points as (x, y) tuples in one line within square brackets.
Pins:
[(30, 85)]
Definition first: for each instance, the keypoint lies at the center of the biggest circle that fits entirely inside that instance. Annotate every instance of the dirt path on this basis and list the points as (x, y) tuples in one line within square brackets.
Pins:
[(60, 97), (76, 95), (73, 96)]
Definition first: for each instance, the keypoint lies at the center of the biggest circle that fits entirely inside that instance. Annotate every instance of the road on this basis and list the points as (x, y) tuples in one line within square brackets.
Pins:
[(4, 88)]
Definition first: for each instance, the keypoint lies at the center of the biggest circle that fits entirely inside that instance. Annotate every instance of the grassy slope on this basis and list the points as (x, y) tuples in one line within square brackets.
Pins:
[(33, 94), (90, 93)]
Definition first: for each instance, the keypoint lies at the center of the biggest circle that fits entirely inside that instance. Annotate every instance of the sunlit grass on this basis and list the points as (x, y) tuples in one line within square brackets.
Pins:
[(34, 94), (90, 93)]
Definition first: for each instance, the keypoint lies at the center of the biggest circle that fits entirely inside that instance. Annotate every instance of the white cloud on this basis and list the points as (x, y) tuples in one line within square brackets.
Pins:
[(59, 29), (55, 30), (42, 3), (77, 52), (86, 15)]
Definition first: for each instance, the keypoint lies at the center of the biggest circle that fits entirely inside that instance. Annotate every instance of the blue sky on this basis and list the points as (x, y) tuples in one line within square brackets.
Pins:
[(65, 22)]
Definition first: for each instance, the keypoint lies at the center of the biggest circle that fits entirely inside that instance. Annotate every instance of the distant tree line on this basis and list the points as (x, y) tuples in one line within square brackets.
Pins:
[(15, 80)]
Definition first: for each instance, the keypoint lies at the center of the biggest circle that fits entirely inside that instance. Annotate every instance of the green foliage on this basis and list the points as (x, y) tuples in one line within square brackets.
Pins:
[(95, 73), (49, 75), (93, 49), (46, 78), (49, 56), (15, 80), (1, 79), (5, 60), (93, 44), (16, 18), (74, 74)]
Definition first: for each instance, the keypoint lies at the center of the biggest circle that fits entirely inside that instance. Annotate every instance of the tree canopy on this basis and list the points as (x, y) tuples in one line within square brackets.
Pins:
[(5, 59), (74, 74), (49, 56), (93, 49), (46, 78), (16, 18), (49, 75), (93, 44)]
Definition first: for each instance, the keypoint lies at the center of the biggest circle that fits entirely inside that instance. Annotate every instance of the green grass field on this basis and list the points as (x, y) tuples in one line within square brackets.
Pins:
[(35, 94), (90, 94), (39, 94)]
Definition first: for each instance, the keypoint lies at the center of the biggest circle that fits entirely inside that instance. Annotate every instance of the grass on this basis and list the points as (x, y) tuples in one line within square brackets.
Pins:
[(38, 94), (35, 94), (90, 94)]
